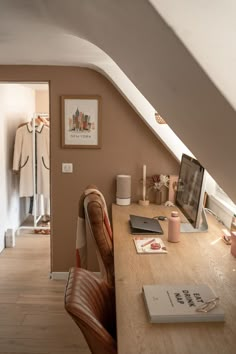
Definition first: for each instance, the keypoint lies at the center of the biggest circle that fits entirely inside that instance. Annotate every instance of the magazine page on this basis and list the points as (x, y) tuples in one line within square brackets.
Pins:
[(149, 245)]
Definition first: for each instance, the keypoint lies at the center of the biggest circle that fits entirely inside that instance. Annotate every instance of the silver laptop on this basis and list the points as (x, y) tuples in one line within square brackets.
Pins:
[(141, 225)]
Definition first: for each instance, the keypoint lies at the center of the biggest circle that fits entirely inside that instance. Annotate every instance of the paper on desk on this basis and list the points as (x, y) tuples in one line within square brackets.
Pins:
[(143, 245)]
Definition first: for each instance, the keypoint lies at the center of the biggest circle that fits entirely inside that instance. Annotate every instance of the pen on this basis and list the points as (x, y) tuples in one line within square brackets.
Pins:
[(208, 305), (148, 242)]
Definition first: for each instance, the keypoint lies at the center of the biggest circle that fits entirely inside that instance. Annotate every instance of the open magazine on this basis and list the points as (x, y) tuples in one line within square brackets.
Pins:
[(149, 245)]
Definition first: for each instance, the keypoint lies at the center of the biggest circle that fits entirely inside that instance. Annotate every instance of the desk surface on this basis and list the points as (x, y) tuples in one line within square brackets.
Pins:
[(197, 258)]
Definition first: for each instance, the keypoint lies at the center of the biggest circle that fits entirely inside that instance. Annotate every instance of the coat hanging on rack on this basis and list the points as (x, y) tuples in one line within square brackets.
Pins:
[(23, 159)]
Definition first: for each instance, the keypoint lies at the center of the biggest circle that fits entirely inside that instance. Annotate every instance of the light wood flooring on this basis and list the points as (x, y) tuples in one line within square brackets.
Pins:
[(32, 315)]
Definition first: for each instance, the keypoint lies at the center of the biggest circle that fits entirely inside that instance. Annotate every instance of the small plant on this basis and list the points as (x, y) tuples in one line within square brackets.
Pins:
[(156, 182)]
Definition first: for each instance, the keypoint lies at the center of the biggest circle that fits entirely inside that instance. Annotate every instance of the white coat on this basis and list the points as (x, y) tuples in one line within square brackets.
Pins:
[(23, 159)]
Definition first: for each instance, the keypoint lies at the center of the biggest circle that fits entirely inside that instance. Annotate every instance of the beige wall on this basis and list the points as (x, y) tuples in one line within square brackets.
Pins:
[(42, 101), (127, 144)]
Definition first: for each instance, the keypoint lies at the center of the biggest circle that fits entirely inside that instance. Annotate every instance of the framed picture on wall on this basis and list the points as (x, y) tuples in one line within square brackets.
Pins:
[(81, 116)]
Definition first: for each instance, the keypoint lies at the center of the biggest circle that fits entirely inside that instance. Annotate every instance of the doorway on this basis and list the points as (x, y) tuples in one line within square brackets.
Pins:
[(26, 198)]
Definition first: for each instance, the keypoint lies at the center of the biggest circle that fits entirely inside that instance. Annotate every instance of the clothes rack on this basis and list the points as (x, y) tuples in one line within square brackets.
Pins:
[(36, 216)]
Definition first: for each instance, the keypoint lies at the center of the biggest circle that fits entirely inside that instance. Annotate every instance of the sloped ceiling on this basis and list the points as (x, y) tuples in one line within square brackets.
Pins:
[(131, 43), (207, 29)]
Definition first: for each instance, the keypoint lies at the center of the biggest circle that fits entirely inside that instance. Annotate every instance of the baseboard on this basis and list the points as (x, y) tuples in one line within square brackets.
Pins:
[(64, 275), (59, 275)]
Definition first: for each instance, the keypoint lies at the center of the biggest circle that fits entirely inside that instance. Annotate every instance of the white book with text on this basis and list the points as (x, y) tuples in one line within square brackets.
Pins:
[(178, 303)]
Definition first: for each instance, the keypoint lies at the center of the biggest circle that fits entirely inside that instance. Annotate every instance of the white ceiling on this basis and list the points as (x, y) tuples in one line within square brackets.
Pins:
[(45, 33), (58, 32), (208, 30)]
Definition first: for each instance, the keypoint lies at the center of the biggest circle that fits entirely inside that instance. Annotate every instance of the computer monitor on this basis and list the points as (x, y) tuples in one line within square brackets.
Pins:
[(190, 195)]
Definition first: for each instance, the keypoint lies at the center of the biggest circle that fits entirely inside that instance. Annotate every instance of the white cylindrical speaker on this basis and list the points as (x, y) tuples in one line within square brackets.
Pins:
[(123, 189)]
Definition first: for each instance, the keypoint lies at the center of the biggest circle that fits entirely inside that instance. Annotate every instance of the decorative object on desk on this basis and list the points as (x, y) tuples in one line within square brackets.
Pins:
[(81, 121), (169, 204), (226, 237), (123, 189), (158, 197), (182, 303), (233, 243), (149, 245), (159, 119), (144, 201), (173, 184), (174, 227), (233, 223), (158, 183)]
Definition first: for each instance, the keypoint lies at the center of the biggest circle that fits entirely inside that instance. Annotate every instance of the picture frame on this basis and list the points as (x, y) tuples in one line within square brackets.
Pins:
[(81, 121)]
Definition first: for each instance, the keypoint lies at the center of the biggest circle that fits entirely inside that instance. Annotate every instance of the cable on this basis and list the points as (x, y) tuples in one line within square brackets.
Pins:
[(214, 214)]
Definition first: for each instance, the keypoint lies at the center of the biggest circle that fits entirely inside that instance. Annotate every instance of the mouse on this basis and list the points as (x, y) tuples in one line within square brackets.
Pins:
[(162, 218)]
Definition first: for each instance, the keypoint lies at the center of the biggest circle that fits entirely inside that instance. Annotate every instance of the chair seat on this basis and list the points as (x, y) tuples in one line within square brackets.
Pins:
[(90, 301)]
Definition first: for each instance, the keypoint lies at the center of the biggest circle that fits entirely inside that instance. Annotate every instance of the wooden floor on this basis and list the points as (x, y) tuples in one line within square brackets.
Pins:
[(32, 315)]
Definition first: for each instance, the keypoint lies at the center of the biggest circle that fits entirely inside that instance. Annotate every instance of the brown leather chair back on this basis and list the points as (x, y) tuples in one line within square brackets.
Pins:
[(96, 225), (90, 301)]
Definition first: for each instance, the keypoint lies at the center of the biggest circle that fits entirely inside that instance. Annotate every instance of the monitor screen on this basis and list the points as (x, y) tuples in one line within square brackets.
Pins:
[(190, 191)]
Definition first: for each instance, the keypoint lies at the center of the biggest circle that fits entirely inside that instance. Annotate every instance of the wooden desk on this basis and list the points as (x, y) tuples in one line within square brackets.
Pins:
[(197, 258)]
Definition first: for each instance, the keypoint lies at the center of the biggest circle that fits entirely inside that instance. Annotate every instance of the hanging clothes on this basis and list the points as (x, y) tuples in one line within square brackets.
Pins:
[(23, 159)]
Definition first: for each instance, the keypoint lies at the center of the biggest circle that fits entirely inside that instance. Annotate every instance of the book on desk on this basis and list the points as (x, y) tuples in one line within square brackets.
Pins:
[(179, 303)]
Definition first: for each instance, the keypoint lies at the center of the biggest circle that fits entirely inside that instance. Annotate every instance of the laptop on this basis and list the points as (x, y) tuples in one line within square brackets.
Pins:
[(141, 225)]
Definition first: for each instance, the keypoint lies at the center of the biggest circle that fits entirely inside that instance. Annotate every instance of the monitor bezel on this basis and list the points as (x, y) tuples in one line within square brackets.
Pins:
[(197, 220)]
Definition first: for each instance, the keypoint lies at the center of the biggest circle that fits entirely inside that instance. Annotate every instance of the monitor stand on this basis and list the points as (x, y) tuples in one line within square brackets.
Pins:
[(203, 227)]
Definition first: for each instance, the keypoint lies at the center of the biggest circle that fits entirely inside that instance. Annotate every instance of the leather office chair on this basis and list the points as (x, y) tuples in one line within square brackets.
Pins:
[(90, 301), (93, 206)]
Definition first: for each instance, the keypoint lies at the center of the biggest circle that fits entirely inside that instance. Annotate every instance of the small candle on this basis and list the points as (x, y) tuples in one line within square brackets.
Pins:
[(144, 182)]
